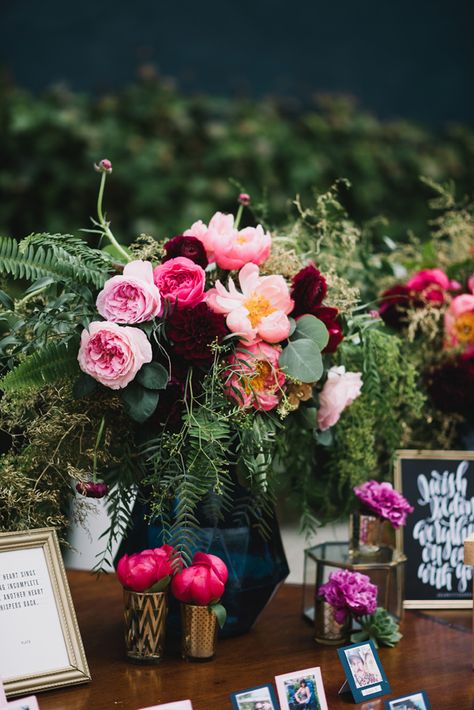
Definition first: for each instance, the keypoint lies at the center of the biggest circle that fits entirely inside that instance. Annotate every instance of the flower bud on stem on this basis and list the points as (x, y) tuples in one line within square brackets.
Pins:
[(102, 221)]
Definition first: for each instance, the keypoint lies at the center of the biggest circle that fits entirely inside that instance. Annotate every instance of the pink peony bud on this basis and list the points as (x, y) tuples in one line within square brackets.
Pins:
[(104, 166), (142, 570), (92, 489), (244, 199), (202, 583)]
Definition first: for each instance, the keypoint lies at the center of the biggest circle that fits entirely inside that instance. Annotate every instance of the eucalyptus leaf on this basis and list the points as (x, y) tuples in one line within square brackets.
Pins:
[(312, 328), (161, 585), (220, 613), (302, 360), (153, 376), (325, 438), (140, 402)]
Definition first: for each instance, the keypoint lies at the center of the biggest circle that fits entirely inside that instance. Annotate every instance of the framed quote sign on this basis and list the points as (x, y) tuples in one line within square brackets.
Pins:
[(40, 644), (440, 487)]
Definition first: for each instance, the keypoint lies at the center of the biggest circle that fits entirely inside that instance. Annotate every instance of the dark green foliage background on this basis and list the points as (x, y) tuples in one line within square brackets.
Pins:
[(173, 157)]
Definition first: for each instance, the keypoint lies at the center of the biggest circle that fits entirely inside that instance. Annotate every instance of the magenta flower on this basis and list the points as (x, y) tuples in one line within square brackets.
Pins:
[(384, 501), (349, 593)]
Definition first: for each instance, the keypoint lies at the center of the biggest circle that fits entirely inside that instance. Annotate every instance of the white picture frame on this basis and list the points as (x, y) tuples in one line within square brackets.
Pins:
[(310, 676), (40, 645)]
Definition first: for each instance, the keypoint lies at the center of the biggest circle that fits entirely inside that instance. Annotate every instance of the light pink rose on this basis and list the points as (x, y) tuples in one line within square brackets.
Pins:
[(180, 281), (131, 297), (229, 247), (431, 284), (340, 390), (254, 378), (260, 311), (112, 354), (459, 322)]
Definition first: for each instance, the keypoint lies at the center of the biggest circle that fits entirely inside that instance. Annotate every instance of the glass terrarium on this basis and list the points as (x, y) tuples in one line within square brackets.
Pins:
[(385, 569)]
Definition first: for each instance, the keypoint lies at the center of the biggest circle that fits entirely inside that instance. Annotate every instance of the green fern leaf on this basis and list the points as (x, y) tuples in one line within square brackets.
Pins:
[(56, 361)]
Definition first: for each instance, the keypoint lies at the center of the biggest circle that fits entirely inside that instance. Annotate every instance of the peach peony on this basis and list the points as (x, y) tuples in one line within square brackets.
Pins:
[(459, 322), (260, 311), (254, 378), (340, 390), (229, 247)]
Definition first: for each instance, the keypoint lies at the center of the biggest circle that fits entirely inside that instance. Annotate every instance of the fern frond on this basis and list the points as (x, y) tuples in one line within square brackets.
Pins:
[(23, 260), (54, 362)]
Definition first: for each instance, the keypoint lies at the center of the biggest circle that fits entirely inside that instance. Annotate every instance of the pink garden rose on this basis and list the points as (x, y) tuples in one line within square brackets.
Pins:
[(131, 297), (254, 378), (260, 311), (180, 281), (349, 593), (142, 570), (432, 284), (340, 390), (112, 354), (384, 501), (229, 247), (203, 582), (459, 322)]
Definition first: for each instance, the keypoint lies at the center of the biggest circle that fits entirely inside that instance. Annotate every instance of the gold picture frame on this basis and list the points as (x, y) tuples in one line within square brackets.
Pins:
[(426, 454), (39, 587)]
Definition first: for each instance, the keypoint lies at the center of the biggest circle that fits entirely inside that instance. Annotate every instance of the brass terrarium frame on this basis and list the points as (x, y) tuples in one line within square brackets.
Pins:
[(77, 670)]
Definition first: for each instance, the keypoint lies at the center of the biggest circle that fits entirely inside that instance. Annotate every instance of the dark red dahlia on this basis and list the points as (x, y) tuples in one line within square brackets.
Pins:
[(329, 316), (308, 291), (92, 489), (394, 304), (193, 330), (190, 247), (451, 385)]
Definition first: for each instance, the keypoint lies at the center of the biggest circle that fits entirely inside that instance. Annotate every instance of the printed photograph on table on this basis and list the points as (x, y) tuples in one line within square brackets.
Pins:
[(178, 705), (415, 701), (260, 698), (440, 487), (364, 672), (30, 703), (301, 689)]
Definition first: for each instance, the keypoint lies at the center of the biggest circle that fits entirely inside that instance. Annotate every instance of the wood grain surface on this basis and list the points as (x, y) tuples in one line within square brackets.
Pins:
[(434, 655)]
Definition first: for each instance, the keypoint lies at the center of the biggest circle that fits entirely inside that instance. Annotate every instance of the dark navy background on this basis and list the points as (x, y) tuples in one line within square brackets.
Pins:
[(410, 58)]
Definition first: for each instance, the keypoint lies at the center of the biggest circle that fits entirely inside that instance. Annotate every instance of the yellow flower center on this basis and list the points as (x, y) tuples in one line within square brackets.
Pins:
[(258, 307), (258, 381), (241, 239), (464, 327)]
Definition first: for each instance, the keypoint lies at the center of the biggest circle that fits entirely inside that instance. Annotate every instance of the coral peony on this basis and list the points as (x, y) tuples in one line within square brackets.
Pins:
[(431, 285), (254, 378), (131, 297), (340, 390), (180, 281), (202, 583), (229, 247), (349, 593), (112, 354), (190, 247), (260, 311), (459, 322), (142, 570), (309, 288), (193, 330), (384, 501)]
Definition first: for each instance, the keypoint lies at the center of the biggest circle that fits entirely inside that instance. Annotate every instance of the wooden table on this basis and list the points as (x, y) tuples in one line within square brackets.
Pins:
[(434, 655)]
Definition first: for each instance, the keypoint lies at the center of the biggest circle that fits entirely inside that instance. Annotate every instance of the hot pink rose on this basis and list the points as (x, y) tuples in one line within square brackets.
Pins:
[(180, 281), (340, 390), (459, 322), (201, 583), (384, 501), (349, 593), (112, 354), (229, 247), (131, 297), (431, 284), (217, 565), (142, 570), (260, 312), (254, 378)]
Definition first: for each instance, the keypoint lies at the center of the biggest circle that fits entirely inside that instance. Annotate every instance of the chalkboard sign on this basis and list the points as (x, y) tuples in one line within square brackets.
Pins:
[(440, 487)]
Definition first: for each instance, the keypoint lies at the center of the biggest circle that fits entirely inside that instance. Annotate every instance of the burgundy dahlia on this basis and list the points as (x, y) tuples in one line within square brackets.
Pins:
[(394, 304), (193, 330), (451, 385), (329, 316), (308, 291), (92, 489), (190, 247)]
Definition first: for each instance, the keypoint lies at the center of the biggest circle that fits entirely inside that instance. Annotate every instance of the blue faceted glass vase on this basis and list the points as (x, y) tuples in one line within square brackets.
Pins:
[(257, 565)]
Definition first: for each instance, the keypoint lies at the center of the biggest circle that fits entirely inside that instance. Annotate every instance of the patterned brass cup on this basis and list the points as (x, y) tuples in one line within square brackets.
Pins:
[(199, 629), (365, 533), (327, 630), (145, 625)]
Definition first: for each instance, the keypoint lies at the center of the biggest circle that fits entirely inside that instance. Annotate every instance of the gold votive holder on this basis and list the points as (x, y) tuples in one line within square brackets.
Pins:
[(145, 625), (327, 630), (199, 633)]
